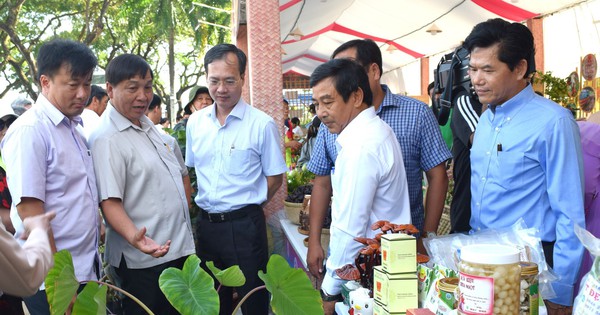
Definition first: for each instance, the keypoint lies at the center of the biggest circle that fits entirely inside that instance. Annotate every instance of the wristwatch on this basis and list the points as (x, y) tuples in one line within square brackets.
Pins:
[(330, 298), (430, 234)]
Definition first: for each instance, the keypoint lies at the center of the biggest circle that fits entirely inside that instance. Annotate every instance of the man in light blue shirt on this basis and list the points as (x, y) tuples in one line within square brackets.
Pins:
[(239, 165), (526, 157)]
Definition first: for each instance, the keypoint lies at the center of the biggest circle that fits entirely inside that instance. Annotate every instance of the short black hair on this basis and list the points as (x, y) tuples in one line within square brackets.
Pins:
[(515, 42), (97, 93), (156, 101), (347, 75), (125, 67), (367, 52), (296, 121), (58, 52), (219, 52)]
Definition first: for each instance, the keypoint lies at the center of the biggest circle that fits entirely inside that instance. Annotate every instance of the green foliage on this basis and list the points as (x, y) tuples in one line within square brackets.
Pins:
[(292, 291), (298, 177), (556, 88), (91, 300), (230, 277), (61, 284), (190, 290)]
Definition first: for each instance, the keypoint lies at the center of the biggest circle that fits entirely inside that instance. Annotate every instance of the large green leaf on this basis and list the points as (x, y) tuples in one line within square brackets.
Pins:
[(190, 290), (61, 284), (230, 277), (91, 300), (292, 291)]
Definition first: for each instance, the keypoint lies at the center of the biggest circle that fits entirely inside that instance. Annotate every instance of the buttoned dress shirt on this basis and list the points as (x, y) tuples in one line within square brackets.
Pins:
[(24, 269), (418, 134), (47, 159), (90, 120), (369, 184), (526, 163), (233, 160), (136, 166)]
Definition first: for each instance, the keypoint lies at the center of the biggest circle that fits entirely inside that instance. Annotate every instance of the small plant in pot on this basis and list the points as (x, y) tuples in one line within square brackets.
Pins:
[(298, 185)]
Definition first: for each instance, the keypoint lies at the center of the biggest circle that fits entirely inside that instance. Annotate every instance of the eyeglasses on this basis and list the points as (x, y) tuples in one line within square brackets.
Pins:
[(6, 123), (227, 82)]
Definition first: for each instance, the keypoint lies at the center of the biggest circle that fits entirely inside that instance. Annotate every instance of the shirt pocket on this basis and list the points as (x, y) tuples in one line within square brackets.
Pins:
[(240, 162), (509, 170)]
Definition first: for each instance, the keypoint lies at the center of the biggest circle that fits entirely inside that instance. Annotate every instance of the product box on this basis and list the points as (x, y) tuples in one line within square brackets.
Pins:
[(419, 311), (399, 253), (396, 292), (379, 309)]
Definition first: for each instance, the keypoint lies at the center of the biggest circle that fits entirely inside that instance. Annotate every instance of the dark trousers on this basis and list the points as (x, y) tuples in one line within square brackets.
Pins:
[(37, 304), (240, 241), (143, 284)]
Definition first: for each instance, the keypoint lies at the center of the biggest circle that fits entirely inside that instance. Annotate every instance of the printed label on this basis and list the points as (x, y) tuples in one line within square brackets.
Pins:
[(590, 304), (476, 294)]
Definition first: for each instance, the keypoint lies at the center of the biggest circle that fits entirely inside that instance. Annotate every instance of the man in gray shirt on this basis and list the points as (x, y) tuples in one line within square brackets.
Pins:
[(143, 188)]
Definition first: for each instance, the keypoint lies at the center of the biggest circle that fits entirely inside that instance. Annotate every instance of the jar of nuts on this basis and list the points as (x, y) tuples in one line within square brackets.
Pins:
[(529, 296), (489, 280)]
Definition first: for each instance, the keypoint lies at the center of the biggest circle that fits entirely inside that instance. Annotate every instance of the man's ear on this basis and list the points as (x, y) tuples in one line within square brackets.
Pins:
[(374, 71), (44, 82), (109, 90), (521, 69), (357, 98)]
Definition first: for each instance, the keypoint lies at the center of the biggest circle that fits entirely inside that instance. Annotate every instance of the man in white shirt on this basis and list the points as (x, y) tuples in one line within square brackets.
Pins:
[(369, 180), (239, 165), (95, 106)]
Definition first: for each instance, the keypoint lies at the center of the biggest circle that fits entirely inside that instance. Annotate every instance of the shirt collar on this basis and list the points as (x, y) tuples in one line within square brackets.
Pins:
[(55, 115), (388, 99), (238, 111), (355, 127), (122, 123), (517, 102)]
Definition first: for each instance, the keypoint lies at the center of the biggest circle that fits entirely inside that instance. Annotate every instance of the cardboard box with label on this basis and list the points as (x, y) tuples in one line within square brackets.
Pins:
[(399, 253)]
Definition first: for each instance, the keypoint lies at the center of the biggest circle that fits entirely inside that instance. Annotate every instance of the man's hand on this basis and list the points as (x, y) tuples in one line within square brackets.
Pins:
[(41, 221), (314, 258), (294, 145), (557, 309), (148, 245), (329, 307)]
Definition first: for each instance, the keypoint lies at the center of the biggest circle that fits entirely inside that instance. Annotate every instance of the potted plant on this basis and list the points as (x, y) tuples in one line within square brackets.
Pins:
[(298, 185)]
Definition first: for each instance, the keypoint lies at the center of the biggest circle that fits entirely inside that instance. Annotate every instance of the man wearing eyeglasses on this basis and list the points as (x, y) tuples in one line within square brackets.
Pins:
[(235, 150)]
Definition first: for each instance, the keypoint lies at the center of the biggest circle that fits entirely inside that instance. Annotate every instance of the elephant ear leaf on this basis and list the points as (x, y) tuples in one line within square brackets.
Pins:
[(291, 289), (61, 284), (230, 277), (92, 300), (190, 290)]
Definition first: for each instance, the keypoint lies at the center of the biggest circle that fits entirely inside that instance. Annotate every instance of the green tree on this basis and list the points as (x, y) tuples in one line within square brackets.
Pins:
[(110, 28), (180, 20)]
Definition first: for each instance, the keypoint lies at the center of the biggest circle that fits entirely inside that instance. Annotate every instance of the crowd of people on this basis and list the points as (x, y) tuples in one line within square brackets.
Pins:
[(85, 165)]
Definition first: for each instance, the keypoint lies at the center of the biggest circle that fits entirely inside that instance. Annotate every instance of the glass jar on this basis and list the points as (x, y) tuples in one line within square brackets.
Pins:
[(529, 296), (489, 280)]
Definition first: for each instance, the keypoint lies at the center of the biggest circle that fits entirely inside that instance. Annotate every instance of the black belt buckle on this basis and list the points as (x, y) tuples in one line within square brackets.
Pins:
[(217, 217)]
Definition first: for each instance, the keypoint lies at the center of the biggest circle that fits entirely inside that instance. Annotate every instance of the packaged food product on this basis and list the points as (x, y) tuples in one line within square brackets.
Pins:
[(489, 280), (529, 295)]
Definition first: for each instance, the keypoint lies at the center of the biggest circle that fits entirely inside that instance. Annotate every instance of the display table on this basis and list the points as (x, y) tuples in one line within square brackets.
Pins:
[(295, 251)]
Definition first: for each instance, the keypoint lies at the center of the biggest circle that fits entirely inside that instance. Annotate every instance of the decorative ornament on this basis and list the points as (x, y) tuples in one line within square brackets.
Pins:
[(589, 67), (587, 99)]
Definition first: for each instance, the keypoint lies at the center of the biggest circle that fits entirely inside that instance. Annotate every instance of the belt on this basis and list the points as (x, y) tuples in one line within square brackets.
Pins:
[(218, 217)]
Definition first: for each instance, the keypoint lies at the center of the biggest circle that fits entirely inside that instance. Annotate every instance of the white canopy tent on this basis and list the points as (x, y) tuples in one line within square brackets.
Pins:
[(312, 29)]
